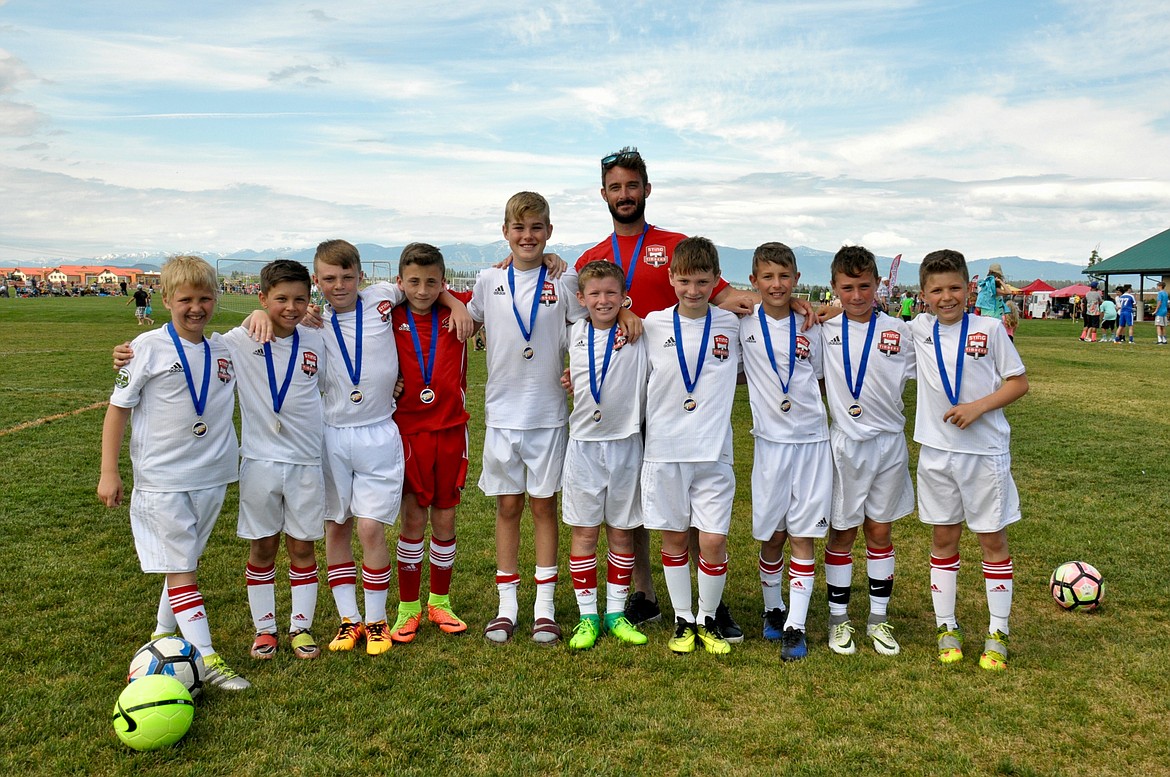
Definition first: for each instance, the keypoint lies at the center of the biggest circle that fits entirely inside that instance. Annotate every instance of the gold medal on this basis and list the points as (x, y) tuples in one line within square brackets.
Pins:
[(355, 396), (855, 410), (689, 404), (426, 396), (786, 405)]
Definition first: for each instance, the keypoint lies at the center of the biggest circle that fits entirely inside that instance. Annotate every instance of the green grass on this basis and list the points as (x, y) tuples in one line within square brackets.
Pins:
[(1085, 693)]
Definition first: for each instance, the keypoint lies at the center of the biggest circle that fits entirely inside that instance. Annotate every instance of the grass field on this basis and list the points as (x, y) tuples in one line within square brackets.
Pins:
[(1084, 694)]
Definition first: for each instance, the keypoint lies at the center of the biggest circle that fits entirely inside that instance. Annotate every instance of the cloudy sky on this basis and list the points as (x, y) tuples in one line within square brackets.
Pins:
[(997, 128)]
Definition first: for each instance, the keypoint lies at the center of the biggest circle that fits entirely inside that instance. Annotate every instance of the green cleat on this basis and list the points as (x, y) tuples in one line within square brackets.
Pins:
[(303, 644), (586, 633), (684, 637), (950, 644), (712, 638), (620, 627), (841, 639), (995, 652)]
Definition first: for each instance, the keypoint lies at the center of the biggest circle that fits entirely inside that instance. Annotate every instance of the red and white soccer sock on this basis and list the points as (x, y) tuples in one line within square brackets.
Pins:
[(801, 574), (772, 583), (712, 580), (583, 570), (507, 584), (944, 580), (187, 604), (262, 597), (879, 568), (838, 579), (376, 588), (164, 621), (302, 583), (998, 579), (410, 556), (677, 571), (343, 585), (619, 570), (442, 562), (546, 586)]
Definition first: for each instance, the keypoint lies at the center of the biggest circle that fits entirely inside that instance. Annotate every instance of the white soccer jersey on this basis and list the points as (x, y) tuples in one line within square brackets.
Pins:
[(165, 451), (623, 393), (988, 357), (522, 393), (372, 400), (890, 364), (294, 435), (674, 433), (804, 420)]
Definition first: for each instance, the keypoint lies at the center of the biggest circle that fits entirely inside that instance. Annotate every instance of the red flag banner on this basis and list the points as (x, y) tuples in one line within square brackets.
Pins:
[(894, 270)]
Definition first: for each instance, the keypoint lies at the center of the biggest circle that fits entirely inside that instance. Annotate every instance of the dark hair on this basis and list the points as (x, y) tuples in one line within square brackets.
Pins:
[(599, 269), (628, 158), (854, 261), (942, 261), (283, 271), (695, 254), (422, 255), (773, 253)]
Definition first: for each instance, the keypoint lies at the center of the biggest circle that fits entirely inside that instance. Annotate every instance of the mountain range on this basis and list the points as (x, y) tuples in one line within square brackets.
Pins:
[(382, 262)]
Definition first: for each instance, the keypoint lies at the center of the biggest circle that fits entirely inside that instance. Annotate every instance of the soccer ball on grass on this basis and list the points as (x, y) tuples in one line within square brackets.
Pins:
[(170, 656), (1076, 585), (152, 712)]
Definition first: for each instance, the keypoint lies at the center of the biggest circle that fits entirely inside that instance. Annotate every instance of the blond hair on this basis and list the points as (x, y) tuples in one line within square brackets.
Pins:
[(598, 270), (522, 205), (188, 271), (339, 253)]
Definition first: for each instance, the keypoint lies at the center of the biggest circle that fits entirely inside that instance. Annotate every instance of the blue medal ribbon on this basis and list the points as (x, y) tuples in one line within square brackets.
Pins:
[(682, 359), (527, 333), (426, 366), (595, 384), (855, 386), (279, 395), (633, 265), (354, 368), (942, 370), (772, 354), (200, 399)]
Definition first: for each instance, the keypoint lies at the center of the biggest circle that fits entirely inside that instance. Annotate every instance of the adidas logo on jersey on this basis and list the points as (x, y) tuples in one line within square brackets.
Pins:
[(669, 342), (750, 339), (176, 367), (404, 327), (929, 340), (499, 291), (835, 341), (258, 352), (580, 343)]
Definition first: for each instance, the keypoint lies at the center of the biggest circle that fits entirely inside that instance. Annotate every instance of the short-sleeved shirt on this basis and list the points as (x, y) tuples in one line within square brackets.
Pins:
[(988, 356), (522, 393), (1163, 303), (1093, 302), (141, 298), (379, 364), (1108, 310), (703, 434), (448, 386), (907, 306), (650, 287), (294, 435), (623, 390), (805, 420), (165, 452), (890, 364), (1127, 303)]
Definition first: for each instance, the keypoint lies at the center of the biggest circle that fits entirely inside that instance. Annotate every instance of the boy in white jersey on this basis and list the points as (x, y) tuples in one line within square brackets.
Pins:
[(363, 458), (968, 371), (687, 475), (868, 358), (281, 485), (792, 477), (524, 409), (603, 462), (179, 393)]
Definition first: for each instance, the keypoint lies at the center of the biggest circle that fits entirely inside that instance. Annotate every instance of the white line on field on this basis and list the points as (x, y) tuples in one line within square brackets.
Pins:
[(48, 418)]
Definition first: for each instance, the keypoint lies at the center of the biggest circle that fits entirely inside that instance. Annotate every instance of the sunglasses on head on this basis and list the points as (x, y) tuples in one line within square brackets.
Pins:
[(620, 156)]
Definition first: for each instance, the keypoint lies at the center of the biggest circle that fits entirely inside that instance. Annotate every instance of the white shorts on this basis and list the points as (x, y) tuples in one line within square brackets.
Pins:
[(1159, 320), (364, 469), (871, 478), (523, 461), (601, 483), (957, 487), (171, 527), (276, 497), (678, 496), (792, 488)]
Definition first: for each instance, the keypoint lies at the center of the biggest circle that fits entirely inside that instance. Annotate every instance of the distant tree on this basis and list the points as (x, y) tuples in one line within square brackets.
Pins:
[(1094, 257)]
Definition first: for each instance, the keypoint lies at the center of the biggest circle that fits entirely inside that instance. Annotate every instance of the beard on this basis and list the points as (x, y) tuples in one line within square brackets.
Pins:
[(633, 218)]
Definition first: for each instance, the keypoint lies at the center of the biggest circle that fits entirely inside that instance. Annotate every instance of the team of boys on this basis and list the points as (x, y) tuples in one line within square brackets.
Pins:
[(328, 447)]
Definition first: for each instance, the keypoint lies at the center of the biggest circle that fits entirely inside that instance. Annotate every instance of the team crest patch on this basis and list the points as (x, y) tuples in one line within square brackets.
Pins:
[(384, 308), (802, 348), (619, 339), (122, 379), (548, 294), (309, 363), (890, 342), (655, 256), (720, 350), (976, 345), (224, 373)]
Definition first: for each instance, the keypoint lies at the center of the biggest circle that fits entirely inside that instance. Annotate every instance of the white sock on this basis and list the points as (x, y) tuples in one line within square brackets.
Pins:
[(262, 597), (546, 586)]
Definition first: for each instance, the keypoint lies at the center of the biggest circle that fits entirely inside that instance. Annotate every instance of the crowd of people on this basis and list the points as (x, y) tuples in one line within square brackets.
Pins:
[(356, 416)]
